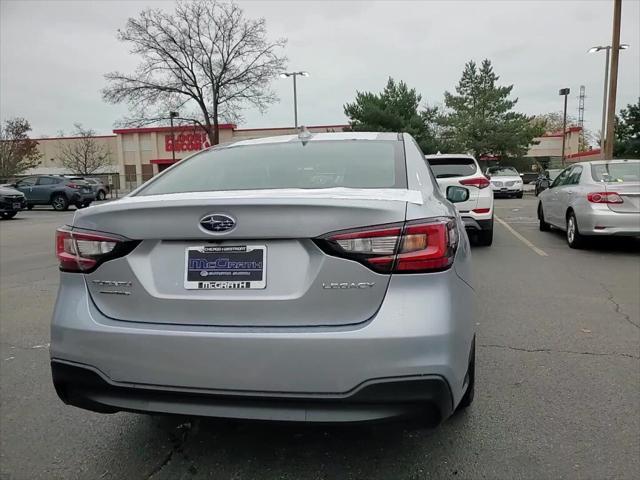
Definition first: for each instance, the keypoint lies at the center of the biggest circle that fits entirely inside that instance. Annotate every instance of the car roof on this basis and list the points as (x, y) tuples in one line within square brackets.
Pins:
[(314, 137), (603, 162)]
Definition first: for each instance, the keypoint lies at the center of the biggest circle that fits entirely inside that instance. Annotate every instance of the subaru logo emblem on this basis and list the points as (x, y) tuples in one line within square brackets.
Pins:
[(217, 223)]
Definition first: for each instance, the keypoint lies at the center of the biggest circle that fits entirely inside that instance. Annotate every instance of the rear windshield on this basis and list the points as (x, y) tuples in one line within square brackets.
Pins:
[(452, 167), (313, 164), (616, 172), (502, 171)]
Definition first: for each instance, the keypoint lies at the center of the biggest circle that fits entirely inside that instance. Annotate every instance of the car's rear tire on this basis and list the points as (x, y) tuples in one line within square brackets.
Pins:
[(544, 226), (8, 215), (101, 195), (467, 398), (519, 194), (484, 238), (59, 202), (574, 238), (29, 206)]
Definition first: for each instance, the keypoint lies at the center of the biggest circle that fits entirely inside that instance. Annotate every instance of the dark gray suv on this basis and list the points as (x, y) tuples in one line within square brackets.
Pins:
[(57, 191)]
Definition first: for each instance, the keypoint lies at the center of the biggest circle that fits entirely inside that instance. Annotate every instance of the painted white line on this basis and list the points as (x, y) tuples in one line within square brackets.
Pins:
[(540, 252)]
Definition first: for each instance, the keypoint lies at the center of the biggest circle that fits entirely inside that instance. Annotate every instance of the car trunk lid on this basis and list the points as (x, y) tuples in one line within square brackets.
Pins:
[(630, 194), (276, 225)]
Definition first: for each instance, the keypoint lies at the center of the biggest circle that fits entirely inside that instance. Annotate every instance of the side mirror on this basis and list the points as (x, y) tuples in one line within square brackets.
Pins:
[(457, 194)]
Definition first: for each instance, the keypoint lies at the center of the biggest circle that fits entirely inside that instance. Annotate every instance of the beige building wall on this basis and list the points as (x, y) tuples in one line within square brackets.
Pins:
[(51, 150)]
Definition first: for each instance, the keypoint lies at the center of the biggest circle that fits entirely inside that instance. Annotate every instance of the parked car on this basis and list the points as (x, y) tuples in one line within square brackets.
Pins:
[(54, 190), (545, 179), (505, 181), (98, 186), (595, 198), (11, 202), (477, 211), (320, 277)]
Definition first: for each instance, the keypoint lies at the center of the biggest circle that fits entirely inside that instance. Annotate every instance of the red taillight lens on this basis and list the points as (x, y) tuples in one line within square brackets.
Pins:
[(604, 197), (481, 210), (480, 182), (80, 251), (415, 247), (74, 185)]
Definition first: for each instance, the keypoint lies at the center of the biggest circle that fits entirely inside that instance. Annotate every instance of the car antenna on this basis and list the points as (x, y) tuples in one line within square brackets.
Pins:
[(304, 135)]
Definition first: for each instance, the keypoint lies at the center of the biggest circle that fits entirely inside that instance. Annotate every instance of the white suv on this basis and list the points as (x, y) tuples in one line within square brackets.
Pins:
[(477, 212)]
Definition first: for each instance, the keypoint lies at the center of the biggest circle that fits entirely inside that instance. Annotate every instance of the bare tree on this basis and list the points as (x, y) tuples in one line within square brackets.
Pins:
[(17, 151), (205, 58), (83, 155)]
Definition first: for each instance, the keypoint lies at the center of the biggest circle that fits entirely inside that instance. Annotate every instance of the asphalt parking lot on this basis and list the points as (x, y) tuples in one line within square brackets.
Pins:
[(558, 392)]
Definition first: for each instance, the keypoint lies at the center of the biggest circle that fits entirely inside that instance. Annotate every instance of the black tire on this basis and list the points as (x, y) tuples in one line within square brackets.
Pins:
[(544, 226), (519, 194), (467, 398), (574, 238), (101, 195), (59, 202), (536, 192), (8, 215), (484, 238), (29, 206)]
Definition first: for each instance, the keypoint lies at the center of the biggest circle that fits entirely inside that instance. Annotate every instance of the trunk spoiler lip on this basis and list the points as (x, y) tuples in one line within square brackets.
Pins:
[(339, 193)]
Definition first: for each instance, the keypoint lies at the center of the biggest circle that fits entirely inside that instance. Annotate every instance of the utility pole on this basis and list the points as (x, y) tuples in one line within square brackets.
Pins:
[(613, 86), (565, 92), (581, 98)]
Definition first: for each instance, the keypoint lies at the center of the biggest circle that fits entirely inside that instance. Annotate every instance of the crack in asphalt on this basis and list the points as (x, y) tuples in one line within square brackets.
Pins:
[(550, 350), (178, 442), (618, 309)]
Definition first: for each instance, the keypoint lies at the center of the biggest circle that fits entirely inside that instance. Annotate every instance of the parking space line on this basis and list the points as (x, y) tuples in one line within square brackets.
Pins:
[(540, 252)]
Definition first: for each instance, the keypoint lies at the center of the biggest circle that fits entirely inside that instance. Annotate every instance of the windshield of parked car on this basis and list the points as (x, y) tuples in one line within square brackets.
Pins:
[(452, 167), (616, 172), (502, 171), (292, 164)]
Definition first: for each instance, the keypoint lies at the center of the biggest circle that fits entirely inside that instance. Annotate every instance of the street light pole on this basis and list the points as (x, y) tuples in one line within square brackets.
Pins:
[(295, 92), (603, 127), (565, 92), (172, 115)]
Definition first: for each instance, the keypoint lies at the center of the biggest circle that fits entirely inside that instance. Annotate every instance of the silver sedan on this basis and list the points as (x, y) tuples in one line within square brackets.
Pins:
[(593, 199)]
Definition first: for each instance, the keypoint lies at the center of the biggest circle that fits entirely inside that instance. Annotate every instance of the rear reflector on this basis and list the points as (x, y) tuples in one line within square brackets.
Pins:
[(480, 182), (82, 251), (604, 197), (418, 246), (481, 210)]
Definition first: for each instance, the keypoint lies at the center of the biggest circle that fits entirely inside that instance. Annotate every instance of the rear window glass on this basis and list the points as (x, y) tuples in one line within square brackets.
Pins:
[(502, 171), (315, 164), (616, 172), (452, 167)]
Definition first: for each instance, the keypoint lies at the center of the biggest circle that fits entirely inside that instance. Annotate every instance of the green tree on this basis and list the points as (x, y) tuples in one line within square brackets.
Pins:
[(395, 109), (17, 151), (479, 117), (627, 132)]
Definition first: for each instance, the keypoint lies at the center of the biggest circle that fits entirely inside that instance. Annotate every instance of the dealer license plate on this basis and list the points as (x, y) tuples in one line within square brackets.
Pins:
[(238, 267)]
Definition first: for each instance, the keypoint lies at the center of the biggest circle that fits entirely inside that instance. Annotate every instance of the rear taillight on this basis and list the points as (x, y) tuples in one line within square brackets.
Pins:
[(480, 182), (82, 251), (604, 197), (418, 246), (74, 185)]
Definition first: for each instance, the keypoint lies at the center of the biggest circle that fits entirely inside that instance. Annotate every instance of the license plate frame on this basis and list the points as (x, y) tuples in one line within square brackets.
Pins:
[(225, 267)]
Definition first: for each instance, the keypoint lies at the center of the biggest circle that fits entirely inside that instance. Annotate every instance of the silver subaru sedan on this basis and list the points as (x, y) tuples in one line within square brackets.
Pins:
[(596, 198), (319, 278)]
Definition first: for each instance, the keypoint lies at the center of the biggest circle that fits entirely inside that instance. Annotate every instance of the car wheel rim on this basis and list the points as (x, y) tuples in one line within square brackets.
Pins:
[(571, 230), (57, 203)]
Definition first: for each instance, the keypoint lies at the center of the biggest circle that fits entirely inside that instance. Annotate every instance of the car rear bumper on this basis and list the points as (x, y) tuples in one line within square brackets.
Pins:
[(83, 197), (424, 329), (603, 221), (471, 223), (87, 388)]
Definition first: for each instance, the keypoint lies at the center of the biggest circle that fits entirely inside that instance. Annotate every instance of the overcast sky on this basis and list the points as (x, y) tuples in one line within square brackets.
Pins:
[(54, 54)]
